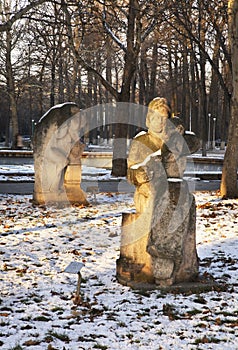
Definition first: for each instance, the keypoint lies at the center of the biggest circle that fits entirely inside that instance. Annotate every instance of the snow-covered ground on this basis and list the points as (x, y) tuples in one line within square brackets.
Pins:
[(16, 173), (36, 301), (25, 173)]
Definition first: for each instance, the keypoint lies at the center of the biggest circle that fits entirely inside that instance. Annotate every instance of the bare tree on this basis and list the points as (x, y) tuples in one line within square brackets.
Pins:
[(127, 51), (8, 43), (10, 34), (204, 25), (229, 188), (124, 26), (20, 13)]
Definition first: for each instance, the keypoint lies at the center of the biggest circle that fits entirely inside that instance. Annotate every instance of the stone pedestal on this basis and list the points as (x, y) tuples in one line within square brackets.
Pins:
[(72, 183), (72, 176), (68, 192), (134, 263), (49, 198)]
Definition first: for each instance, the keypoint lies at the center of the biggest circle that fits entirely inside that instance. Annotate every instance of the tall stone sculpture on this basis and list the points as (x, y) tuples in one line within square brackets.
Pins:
[(57, 156), (158, 242)]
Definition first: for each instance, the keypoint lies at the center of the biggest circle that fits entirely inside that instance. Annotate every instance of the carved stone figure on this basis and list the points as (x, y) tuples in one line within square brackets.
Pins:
[(158, 241), (57, 152)]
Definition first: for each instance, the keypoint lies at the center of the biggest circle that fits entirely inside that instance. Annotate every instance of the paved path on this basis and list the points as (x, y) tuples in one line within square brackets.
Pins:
[(103, 186)]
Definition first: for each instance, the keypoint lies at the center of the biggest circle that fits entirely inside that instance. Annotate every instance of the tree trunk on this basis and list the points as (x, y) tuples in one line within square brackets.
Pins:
[(142, 83), (119, 161), (109, 128), (229, 188), (11, 92), (52, 87), (153, 74), (193, 122), (213, 101), (61, 81), (185, 100), (173, 75), (202, 85)]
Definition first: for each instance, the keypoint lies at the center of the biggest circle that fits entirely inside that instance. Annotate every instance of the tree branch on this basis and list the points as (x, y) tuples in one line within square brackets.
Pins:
[(149, 29), (18, 15), (80, 60), (196, 40), (112, 35)]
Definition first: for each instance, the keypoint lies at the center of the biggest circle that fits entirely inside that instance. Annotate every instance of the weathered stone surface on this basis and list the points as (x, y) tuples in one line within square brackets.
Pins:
[(172, 239), (72, 177), (55, 146), (159, 245), (134, 263), (158, 242)]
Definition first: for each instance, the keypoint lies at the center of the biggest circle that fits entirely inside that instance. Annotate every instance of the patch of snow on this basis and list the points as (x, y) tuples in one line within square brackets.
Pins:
[(174, 179), (60, 105), (187, 132), (146, 160), (140, 134)]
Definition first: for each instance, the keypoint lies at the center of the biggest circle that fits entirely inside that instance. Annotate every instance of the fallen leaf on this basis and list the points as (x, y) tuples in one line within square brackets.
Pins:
[(31, 342)]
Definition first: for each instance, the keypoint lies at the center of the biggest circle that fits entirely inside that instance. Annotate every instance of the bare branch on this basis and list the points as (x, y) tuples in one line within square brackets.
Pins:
[(80, 60), (113, 36), (18, 15), (149, 29)]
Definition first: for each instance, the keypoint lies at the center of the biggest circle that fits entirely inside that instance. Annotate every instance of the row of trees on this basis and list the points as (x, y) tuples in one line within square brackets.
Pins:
[(94, 52)]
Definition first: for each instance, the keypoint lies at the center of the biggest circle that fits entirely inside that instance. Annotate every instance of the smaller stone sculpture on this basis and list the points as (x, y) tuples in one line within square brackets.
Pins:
[(158, 241), (57, 156)]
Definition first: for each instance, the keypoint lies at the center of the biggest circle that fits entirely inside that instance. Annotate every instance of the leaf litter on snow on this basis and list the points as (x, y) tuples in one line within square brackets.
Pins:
[(36, 303)]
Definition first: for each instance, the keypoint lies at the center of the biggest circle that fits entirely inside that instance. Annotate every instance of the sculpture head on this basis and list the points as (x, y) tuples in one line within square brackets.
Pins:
[(158, 113)]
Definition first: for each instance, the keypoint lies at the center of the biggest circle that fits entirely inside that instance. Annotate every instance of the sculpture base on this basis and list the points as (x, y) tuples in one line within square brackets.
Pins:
[(75, 194), (134, 263), (72, 182), (72, 195), (49, 198), (71, 192), (200, 285)]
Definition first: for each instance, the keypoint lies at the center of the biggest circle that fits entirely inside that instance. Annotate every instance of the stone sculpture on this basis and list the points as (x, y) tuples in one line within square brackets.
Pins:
[(57, 156), (158, 242)]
